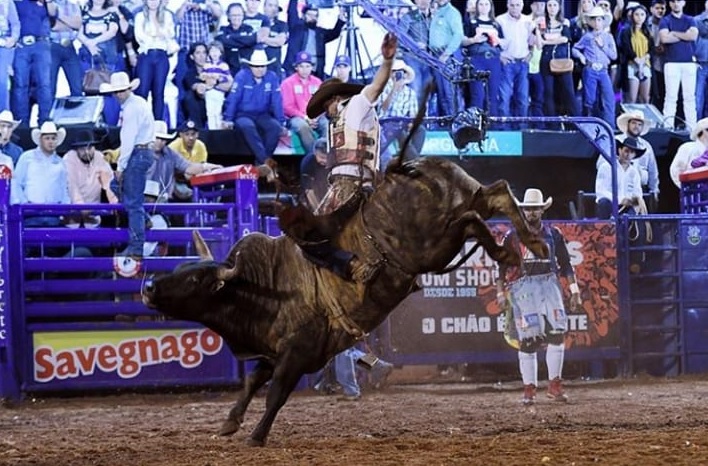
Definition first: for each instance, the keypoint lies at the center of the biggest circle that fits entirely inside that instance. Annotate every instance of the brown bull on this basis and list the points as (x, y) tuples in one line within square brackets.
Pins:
[(268, 302)]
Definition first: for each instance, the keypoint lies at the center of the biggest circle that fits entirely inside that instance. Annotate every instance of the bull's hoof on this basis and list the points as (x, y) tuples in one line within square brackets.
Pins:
[(229, 427), (251, 442)]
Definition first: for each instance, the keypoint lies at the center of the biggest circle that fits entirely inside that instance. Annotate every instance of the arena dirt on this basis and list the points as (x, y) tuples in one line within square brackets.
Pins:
[(620, 422)]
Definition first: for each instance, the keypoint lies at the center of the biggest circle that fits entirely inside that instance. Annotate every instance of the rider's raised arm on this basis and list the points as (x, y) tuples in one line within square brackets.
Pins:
[(388, 51)]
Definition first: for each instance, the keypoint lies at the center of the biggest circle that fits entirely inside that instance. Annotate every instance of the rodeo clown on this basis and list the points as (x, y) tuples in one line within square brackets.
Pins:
[(532, 300)]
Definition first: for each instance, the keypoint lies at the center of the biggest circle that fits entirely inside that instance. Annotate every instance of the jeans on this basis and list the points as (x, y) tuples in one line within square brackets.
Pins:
[(261, 133), (345, 371), (152, 69), (423, 74), (515, 84), (446, 95), (594, 81), (306, 133), (132, 191), (6, 58), (683, 74), (66, 59), (701, 85), (558, 88), (31, 65), (536, 94), (477, 91)]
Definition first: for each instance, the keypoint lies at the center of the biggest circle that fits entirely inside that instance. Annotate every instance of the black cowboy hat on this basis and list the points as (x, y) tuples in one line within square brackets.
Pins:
[(633, 144), (330, 88), (84, 138)]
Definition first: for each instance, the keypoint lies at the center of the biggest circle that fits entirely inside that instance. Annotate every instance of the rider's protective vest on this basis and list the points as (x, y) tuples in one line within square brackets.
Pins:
[(353, 149)]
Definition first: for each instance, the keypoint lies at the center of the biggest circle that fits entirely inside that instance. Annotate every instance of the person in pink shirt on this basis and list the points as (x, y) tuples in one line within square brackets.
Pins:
[(297, 89)]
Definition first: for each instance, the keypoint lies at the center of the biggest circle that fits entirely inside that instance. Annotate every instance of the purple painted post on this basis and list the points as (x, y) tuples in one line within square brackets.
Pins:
[(9, 383), (246, 190)]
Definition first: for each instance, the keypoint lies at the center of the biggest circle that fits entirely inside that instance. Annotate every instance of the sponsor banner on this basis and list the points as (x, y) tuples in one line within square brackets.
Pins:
[(458, 311), (4, 262), (131, 357), (497, 143)]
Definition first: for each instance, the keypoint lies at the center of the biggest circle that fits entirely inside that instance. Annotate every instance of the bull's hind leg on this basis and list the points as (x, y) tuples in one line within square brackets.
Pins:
[(254, 381), (497, 197)]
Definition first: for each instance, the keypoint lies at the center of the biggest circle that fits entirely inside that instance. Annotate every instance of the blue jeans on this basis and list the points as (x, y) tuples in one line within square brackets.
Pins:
[(514, 83), (66, 59), (701, 85), (261, 134), (477, 94), (558, 89), (446, 95), (152, 69), (6, 58), (422, 75), (536, 94), (594, 81), (31, 65), (132, 191), (345, 371)]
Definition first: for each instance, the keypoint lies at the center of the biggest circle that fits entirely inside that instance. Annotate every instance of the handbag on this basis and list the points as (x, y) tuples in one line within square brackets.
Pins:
[(94, 77), (561, 65)]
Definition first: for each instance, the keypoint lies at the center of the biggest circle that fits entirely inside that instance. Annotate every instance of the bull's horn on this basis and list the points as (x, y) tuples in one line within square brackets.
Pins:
[(226, 274), (202, 248)]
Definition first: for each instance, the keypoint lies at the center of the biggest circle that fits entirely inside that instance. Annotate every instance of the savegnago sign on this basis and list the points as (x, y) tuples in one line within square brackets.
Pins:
[(126, 354)]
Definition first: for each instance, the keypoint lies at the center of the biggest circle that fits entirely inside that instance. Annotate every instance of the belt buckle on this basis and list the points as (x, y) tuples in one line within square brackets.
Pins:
[(65, 42), (488, 55), (28, 40), (597, 66)]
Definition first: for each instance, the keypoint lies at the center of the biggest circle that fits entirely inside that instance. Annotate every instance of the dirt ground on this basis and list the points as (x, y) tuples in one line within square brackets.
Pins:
[(618, 422)]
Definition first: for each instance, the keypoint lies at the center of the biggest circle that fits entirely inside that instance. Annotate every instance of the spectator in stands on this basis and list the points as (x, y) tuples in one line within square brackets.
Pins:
[(255, 107), (636, 47), (7, 127), (416, 24), (216, 74), (297, 89), (482, 41), (155, 35), (306, 35), (193, 150), (238, 38), (555, 38), (125, 39), (9, 35), (595, 50), (64, 32), (40, 175), (658, 88), (399, 100), (257, 20), (88, 175), (32, 59), (314, 174), (536, 93), (446, 35), (278, 34), (516, 43), (579, 25), (343, 69), (702, 60), (136, 137), (629, 185), (677, 33), (690, 151), (168, 163), (196, 83)]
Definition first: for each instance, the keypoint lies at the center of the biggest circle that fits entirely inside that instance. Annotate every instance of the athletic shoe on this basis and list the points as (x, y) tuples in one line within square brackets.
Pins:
[(529, 395), (555, 391)]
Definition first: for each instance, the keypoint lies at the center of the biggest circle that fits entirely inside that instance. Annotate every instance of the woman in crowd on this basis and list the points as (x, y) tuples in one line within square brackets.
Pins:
[(578, 27), (155, 34), (635, 48)]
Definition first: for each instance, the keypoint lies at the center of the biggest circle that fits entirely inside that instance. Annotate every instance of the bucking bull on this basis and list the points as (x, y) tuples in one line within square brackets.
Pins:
[(270, 303)]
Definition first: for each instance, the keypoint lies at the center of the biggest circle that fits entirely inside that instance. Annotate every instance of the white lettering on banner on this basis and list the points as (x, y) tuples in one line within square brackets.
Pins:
[(438, 292), (431, 279), (476, 277), (428, 325), (577, 322), (575, 249), (501, 323), (469, 324)]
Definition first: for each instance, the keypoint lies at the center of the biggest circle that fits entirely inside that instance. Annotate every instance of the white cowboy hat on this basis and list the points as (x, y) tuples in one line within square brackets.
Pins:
[(400, 65), (534, 198), (624, 119), (120, 81), (161, 130), (701, 125), (596, 12), (6, 116), (258, 58), (48, 127), (152, 188)]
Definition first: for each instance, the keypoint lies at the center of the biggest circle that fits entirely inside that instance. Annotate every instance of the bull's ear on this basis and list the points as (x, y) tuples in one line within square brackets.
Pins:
[(219, 285), (202, 248)]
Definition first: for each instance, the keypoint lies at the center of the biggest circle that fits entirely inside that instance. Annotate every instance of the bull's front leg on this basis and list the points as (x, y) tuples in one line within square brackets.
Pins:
[(254, 381), (479, 230)]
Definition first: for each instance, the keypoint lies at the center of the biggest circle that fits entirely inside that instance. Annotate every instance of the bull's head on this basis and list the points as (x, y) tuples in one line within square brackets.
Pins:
[(188, 291)]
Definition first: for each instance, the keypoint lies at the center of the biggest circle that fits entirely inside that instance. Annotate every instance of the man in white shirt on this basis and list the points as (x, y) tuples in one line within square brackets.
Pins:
[(518, 35), (690, 151), (629, 185)]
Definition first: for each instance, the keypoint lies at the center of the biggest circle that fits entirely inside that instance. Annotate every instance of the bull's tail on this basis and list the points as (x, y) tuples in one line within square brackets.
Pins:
[(395, 164)]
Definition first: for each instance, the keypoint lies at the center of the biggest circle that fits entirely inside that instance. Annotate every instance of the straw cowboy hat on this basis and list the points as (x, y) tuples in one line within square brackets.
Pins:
[(258, 58), (120, 81), (408, 72), (48, 127), (624, 119), (596, 12), (534, 198), (631, 143), (701, 125), (6, 116), (330, 88), (161, 131)]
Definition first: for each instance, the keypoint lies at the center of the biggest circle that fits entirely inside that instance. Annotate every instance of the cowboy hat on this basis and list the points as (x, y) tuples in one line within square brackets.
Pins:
[(84, 138), (6, 116), (120, 81), (631, 143), (400, 65), (596, 12), (701, 125), (48, 127), (330, 88), (533, 197), (624, 119), (258, 58), (161, 130)]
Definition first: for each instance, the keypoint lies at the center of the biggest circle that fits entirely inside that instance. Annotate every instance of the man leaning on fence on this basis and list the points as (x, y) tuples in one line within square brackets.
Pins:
[(136, 156)]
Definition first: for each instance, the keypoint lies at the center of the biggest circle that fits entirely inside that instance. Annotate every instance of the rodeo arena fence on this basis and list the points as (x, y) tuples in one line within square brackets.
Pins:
[(72, 318)]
